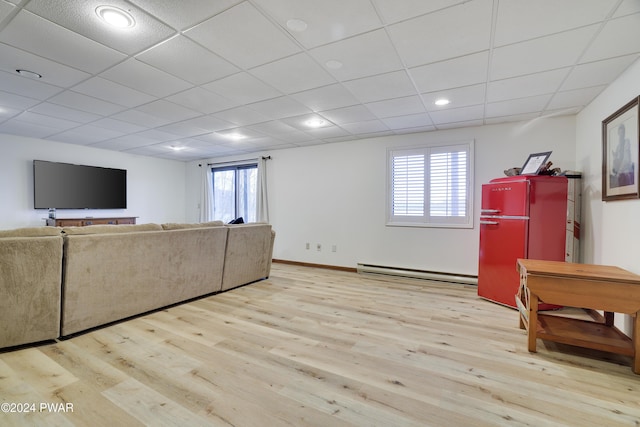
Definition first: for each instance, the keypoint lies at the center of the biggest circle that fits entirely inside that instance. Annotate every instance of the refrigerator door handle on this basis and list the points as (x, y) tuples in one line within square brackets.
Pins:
[(485, 222), (489, 211)]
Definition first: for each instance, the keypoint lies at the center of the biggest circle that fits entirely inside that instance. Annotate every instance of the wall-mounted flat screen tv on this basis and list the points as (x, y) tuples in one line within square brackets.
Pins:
[(68, 186)]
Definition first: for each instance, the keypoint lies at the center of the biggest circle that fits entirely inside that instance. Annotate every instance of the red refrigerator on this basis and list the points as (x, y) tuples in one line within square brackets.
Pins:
[(521, 217)]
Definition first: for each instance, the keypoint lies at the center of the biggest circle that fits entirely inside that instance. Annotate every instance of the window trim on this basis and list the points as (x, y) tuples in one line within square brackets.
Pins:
[(426, 220)]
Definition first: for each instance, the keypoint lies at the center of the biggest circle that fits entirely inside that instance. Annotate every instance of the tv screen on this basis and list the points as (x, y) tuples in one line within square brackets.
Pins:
[(68, 186)]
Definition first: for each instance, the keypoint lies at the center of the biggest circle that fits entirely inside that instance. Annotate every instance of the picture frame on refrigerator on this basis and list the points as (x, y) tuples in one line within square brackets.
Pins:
[(535, 163), (621, 153)]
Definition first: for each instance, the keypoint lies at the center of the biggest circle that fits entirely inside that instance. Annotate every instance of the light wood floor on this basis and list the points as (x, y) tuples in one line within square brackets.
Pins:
[(313, 347)]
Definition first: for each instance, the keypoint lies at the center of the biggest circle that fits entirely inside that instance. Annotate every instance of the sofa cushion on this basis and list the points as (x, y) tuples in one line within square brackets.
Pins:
[(180, 226), (111, 229), (31, 232)]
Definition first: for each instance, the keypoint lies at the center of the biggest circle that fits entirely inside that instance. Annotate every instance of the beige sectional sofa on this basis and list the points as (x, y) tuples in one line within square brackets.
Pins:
[(30, 291), (105, 273)]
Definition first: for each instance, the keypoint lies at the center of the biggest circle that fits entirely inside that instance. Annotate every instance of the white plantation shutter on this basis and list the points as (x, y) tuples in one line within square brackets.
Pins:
[(408, 185), (431, 186)]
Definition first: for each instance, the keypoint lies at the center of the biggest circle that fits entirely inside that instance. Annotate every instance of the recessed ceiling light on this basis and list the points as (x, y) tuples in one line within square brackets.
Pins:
[(442, 101), (297, 25), (333, 64), (234, 136), (115, 16), (29, 74), (316, 122), (177, 147)]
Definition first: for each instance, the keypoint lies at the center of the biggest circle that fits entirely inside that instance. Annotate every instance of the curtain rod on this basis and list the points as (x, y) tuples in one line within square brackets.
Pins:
[(236, 161)]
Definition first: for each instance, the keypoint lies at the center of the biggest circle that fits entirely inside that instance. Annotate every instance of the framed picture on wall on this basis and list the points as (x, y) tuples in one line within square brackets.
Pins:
[(621, 153)]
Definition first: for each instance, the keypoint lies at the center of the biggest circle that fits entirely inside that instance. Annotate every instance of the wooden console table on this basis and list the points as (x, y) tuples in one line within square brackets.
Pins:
[(81, 222), (594, 287)]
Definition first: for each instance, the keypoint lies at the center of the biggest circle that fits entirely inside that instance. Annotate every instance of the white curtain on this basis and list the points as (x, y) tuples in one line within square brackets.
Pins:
[(262, 206), (206, 197)]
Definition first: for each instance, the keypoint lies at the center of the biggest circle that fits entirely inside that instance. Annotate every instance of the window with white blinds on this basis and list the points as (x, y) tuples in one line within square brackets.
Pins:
[(431, 186)]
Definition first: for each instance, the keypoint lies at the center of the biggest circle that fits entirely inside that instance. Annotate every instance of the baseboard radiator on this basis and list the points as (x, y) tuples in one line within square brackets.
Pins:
[(418, 274)]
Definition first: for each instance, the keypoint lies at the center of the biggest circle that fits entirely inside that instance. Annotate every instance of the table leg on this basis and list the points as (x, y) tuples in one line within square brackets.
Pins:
[(636, 343), (533, 322), (608, 318)]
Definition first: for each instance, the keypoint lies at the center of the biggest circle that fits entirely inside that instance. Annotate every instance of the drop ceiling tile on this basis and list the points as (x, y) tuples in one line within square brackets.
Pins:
[(117, 126), (458, 125), (44, 38), (158, 135), (80, 16), (17, 101), (32, 130), (124, 143), (458, 97), (248, 135), (209, 123), (393, 11), (296, 137), (608, 44), (367, 127), (437, 36), (243, 36), (361, 56), (541, 54), (5, 9), (12, 59), (327, 20), (183, 129), (145, 78), (186, 155), (141, 118), (202, 100), (7, 112), (185, 13), (353, 114), (380, 87), (408, 121), (241, 116), (463, 71), (574, 99), (53, 110), (277, 108), (523, 20), (293, 74), (18, 85), (243, 88), (299, 122), (396, 107), (453, 115), (42, 120), (627, 7), (167, 110), (326, 98), (85, 135), (86, 103), (327, 132), (524, 86), (273, 128), (107, 90), (517, 106), (598, 73), (187, 60)]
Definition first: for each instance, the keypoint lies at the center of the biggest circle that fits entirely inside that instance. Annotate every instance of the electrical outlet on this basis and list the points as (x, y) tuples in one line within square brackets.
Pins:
[(308, 246), (319, 247)]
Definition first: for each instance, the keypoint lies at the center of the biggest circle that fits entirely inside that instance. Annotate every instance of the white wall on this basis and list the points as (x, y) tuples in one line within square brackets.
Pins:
[(155, 187), (334, 194), (611, 231)]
